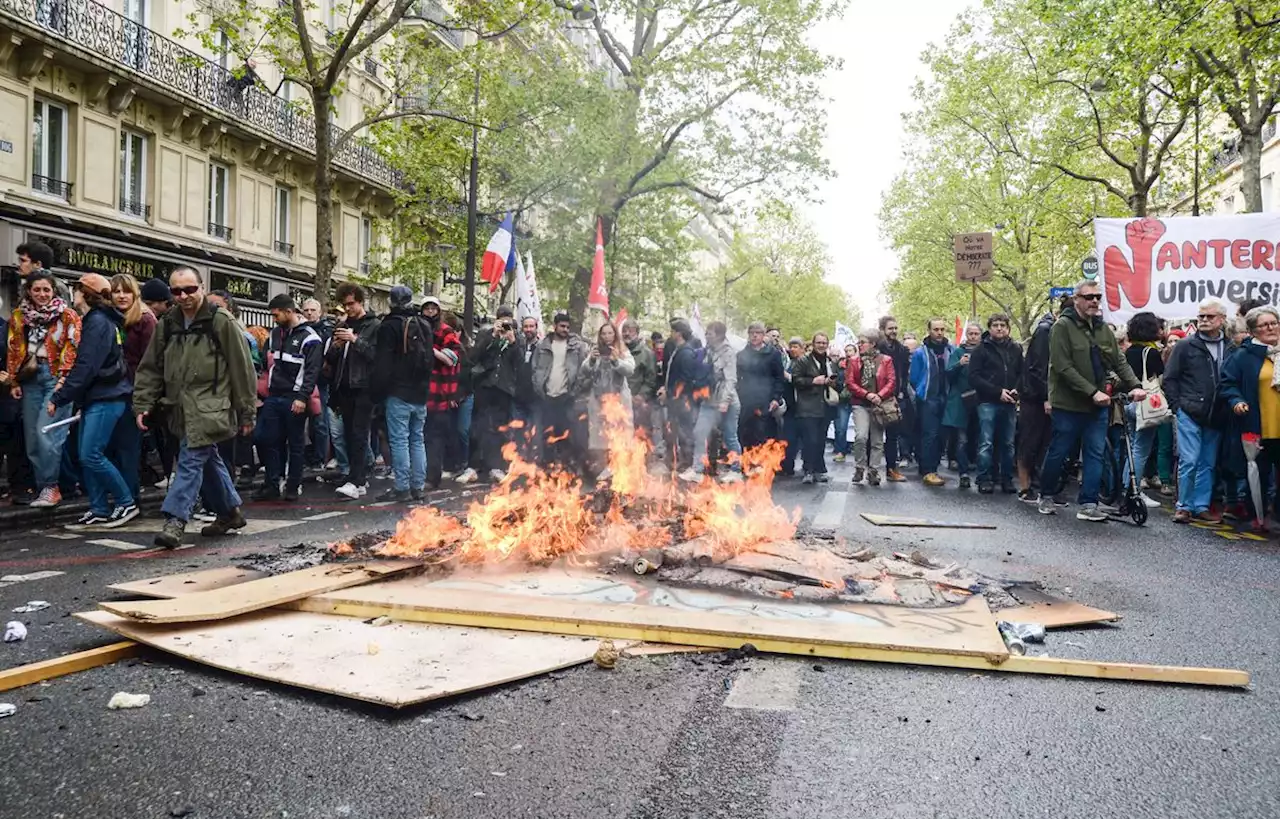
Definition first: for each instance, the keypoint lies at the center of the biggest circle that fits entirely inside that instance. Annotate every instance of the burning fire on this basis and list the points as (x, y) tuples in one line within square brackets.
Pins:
[(538, 516)]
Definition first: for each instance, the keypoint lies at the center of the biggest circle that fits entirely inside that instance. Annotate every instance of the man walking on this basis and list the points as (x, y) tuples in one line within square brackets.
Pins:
[(401, 371), (895, 436), (198, 374), (350, 360), (995, 372), (1082, 350), (929, 381), (295, 354), (719, 411), (1191, 379), (760, 383), (643, 381), (813, 376), (556, 361), (1034, 425)]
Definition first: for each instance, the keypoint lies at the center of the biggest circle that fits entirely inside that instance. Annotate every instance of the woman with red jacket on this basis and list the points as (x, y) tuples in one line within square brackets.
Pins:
[(869, 377)]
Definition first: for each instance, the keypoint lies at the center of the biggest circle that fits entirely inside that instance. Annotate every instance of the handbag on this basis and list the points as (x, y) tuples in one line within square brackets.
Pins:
[(830, 395), (969, 398), (887, 412), (1152, 411)]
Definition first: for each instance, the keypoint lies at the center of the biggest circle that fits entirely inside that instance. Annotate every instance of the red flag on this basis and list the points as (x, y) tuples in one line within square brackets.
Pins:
[(599, 296), (959, 331), (621, 317)]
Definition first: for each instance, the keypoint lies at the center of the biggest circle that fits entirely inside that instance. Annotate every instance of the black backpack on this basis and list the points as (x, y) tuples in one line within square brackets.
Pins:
[(702, 372), (417, 345)]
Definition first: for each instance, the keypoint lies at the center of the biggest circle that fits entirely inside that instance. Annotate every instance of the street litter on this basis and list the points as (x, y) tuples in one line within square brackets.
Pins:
[(34, 605), (7, 709), (122, 699), (14, 632), (1017, 635)]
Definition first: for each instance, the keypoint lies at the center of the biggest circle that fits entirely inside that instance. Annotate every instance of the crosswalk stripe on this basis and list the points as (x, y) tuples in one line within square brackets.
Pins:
[(122, 545), (831, 513), (12, 579), (324, 516), (774, 687)]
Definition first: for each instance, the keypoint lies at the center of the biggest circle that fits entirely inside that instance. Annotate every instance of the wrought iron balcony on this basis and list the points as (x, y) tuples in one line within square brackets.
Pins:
[(60, 188), (158, 60), (135, 207), (432, 10), (284, 248), (218, 231), (371, 66)]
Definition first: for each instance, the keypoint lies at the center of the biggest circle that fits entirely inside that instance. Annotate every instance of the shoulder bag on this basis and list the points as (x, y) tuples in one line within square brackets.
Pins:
[(1152, 411)]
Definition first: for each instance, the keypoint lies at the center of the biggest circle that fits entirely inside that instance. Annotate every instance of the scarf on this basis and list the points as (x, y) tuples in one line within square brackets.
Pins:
[(35, 315), (1273, 353), (870, 363)]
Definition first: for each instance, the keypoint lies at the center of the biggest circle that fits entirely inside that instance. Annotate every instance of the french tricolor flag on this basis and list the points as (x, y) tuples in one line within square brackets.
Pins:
[(500, 255)]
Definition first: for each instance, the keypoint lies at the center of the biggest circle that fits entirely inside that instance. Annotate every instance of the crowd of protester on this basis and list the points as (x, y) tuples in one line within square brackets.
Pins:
[(114, 385)]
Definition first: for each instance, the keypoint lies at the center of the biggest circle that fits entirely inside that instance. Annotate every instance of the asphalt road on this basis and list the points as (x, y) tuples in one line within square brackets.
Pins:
[(685, 735)]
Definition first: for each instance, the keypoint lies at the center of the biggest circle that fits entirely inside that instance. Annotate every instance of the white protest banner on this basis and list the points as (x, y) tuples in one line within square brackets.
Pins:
[(1169, 265), (528, 302), (843, 338)]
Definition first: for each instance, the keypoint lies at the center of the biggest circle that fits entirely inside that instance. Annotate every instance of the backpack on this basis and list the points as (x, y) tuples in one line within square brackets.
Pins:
[(417, 344), (702, 373), (199, 329)]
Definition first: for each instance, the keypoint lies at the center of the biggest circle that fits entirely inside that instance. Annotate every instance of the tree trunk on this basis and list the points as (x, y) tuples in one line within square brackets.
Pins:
[(326, 261), (1251, 167)]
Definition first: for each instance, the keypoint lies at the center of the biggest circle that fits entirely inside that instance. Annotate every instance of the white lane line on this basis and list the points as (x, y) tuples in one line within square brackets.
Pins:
[(832, 512), (11, 579), (773, 687), (325, 515), (63, 535), (380, 504), (122, 545)]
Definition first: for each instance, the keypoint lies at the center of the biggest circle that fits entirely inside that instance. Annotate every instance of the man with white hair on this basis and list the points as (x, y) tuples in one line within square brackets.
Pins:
[(1191, 381)]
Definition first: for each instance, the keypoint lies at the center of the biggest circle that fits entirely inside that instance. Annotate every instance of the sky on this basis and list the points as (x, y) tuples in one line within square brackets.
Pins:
[(881, 45)]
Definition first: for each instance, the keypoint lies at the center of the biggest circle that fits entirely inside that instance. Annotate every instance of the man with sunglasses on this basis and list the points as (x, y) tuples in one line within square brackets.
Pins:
[(1191, 379), (197, 376), (1082, 354)]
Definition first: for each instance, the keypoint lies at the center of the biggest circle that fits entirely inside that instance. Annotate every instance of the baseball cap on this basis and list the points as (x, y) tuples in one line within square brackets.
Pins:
[(401, 295)]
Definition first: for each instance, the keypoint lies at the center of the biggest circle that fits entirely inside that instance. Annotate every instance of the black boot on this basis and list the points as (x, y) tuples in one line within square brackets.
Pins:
[(225, 524)]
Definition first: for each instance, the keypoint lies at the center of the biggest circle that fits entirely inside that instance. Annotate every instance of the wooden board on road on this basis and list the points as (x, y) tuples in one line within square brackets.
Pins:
[(67, 664), (184, 583), (241, 598), (396, 665), (922, 523)]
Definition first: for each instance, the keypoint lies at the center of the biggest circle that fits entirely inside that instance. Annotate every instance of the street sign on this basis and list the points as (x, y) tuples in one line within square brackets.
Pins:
[(1058, 292), (974, 261), (1089, 267)]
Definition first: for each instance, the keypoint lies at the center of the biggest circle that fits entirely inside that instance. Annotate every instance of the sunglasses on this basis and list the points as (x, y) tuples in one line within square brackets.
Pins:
[(1207, 317), (189, 290), (1091, 296)]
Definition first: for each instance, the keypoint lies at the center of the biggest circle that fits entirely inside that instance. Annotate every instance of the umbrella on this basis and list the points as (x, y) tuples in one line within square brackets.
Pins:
[(1252, 443)]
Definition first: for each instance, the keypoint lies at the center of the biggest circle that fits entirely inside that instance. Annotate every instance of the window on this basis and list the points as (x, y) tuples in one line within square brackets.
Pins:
[(366, 243), (135, 33), (1266, 192), (224, 50), (282, 244), (219, 197), (49, 149), (133, 174)]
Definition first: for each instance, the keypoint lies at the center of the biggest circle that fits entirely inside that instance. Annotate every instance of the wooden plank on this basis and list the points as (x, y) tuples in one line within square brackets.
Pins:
[(68, 664), (1060, 614), (921, 523), (218, 604), (710, 619), (1101, 670), (184, 583), (396, 665)]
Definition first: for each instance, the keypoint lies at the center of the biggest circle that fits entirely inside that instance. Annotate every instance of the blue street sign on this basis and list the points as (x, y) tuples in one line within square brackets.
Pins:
[(1089, 267), (1059, 292)]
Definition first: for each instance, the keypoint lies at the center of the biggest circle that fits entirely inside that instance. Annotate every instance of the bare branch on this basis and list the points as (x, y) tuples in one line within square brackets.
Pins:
[(304, 42), (368, 122), (346, 52), (611, 47)]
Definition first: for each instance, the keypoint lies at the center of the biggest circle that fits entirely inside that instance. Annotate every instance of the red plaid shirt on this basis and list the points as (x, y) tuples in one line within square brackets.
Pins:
[(442, 390)]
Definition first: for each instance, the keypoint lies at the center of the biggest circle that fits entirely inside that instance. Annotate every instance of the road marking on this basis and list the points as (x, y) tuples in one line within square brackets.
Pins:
[(325, 516), (62, 535), (773, 687), (254, 527), (832, 512), (122, 545), (11, 579), (380, 504)]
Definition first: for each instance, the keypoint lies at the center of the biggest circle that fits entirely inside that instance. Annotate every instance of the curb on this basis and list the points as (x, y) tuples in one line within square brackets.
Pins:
[(21, 517)]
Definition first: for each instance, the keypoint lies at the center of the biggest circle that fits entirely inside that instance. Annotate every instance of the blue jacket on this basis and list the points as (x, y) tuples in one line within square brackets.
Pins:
[(920, 372), (99, 373), (1240, 383), (296, 358)]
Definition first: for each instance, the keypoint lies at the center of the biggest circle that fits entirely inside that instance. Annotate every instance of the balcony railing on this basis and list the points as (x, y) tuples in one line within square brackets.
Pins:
[(284, 248), (371, 66), (60, 188), (135, 207), (218, 231), (433, 11), (159, 60)]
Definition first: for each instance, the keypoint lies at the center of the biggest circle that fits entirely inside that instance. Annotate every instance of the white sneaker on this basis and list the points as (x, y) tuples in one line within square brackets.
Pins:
[(332, 464), (349, 490), (364, 489), (731, 477), (446, 476), (162, 484), (1151, 502), (690, 475), (466, 476), (497, 475)]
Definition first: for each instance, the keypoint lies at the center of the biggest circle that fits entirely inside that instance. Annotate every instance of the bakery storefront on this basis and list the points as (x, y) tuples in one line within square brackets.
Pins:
[(78, 251)]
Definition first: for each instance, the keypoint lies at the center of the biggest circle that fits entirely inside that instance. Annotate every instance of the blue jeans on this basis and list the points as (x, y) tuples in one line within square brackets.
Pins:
[(101, 477), (1144, 442), (200, 472), (844, 411), (1197, 457), (125, 450), (930, 415), (279, 427), (709, 417), (405, 424), (997, 424), (463, 417), (320, 427), (1072, 429), (44, 449)]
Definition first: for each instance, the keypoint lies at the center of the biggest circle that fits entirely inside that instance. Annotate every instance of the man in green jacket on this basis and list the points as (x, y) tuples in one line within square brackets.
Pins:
[(1082, 352), (197, 378)]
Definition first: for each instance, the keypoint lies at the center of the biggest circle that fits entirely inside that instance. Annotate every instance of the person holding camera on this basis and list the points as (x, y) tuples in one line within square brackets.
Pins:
[(995, 373), (495, 367)]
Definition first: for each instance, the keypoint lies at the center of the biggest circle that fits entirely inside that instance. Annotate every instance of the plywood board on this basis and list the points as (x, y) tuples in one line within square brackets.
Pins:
[(396, 665), (177, 585), (682, 616), (242, 598), (921, 523), (1060, 614), (67, 664)]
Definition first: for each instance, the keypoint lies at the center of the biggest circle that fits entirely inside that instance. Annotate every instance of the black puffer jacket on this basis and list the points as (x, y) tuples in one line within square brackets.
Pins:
[(901, 358), (1191, 380), (995, 366)]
